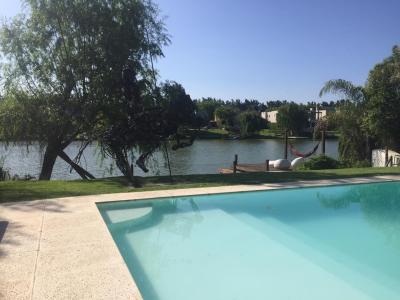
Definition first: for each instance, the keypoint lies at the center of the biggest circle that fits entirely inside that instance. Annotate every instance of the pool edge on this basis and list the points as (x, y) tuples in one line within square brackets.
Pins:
[(82, 211)]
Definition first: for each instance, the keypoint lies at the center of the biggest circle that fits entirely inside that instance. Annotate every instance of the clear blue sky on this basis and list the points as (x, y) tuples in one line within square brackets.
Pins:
[(271, 49)]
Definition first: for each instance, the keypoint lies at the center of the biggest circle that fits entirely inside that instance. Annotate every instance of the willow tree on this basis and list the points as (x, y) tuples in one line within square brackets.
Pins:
[(146, 122), (292, 118), (63, 66)]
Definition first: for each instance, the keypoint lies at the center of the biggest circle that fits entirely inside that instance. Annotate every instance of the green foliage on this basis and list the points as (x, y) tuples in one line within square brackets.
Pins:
[(383, 107), (292, 117), (147, 125), (4, 174), (180, 108), (354, 141), (28, 118), (358, 164), (226, 116), (34, 190), (320, 162), (274, 127), (212, 134), (250, 122), (343, 87), (63, 64), (252, 105), (368, 117), (205, 109)]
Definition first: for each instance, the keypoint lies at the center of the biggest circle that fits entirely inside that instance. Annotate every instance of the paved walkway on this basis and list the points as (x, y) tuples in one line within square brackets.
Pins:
[(61, 248)]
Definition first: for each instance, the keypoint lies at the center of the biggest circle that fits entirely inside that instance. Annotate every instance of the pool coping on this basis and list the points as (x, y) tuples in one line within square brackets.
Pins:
[(62, 249)]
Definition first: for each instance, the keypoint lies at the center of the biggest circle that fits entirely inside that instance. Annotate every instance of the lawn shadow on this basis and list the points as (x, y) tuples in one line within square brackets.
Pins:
[(3, 227), (21, 222)]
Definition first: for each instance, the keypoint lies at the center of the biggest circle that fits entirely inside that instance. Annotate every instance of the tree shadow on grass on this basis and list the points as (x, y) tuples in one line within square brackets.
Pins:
[(29, 191), (10, 192)]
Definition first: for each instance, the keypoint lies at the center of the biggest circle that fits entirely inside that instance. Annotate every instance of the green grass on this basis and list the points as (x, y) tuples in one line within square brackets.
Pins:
[(11, 191), (213, 134), (270, 133)]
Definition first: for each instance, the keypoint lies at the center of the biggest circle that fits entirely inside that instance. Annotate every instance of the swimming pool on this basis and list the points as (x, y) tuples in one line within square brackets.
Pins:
[(338, 242)]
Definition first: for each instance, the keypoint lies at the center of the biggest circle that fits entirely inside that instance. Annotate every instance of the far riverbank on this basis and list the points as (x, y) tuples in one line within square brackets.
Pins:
[(205, 134)]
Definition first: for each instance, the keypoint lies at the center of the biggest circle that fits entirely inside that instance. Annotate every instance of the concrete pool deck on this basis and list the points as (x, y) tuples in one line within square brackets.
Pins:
[(61, 248)]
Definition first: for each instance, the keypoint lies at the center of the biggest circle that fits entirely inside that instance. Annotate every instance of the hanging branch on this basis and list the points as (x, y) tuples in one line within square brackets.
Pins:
[(168, 161)]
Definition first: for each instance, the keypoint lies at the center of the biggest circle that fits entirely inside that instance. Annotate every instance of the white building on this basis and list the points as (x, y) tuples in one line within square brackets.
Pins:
[(378, 158), (320, 113), (315, 114), (270, 116)]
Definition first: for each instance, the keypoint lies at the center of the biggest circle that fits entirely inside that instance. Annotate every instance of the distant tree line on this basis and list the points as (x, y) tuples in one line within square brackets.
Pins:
[(236, 115)]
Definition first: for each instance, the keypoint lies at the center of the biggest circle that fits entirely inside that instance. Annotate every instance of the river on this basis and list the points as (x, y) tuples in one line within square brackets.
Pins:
[(203, 157)]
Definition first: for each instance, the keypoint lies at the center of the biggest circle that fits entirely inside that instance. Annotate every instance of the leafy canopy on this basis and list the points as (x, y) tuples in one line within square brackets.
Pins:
[(383, 107), (250, 122), (292, 117), (64, 63)]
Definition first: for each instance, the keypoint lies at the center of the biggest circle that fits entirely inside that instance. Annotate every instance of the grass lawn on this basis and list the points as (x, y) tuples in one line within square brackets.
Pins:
[(213, 134), (31, 190), (270, 133)]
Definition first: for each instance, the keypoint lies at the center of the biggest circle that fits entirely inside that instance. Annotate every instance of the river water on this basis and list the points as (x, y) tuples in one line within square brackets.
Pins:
[(203, 157)]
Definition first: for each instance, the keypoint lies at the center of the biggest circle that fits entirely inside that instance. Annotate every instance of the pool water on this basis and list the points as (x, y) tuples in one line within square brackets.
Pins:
[(340, 242)]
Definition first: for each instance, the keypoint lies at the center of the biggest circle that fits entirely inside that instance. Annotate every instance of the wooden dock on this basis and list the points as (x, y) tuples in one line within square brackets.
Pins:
[(248, 168)]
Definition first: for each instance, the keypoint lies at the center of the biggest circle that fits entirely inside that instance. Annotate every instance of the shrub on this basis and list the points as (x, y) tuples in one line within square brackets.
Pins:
[(250, 122), (292, 117), (4, 174), (225, 116), (356, 164), (320, 162)]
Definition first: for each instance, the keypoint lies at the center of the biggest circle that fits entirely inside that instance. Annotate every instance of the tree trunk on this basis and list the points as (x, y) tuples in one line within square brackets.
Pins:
[(323, 142), (168, 161), (124, 166), (81, 171), (49, 159), (286, 144), (127, 170), (386, 156), (368, 149)]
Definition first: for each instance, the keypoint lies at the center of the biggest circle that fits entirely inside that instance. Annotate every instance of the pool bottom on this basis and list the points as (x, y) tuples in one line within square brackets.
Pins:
[(292, 244)]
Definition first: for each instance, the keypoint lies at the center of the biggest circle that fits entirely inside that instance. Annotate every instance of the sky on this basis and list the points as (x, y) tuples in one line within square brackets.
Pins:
[(270, 49)]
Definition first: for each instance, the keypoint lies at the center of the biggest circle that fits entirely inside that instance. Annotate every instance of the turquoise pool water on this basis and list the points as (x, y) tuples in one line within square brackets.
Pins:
[(340, 242)]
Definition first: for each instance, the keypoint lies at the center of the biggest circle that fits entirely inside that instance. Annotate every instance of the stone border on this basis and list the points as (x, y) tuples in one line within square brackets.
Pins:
[(62, 249)]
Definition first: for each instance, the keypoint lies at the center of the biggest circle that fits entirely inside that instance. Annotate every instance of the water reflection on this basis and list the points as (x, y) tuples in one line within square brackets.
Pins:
[(204, 157), (350, 231), (379, 203), (189, 212)]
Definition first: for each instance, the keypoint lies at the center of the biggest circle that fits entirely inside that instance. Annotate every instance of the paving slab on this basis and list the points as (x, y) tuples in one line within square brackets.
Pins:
[(19, 237), (110, 282), (17, 273)]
